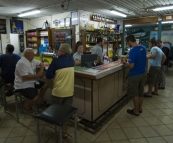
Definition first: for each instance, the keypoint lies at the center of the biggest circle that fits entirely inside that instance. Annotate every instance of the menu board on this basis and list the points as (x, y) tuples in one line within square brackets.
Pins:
[(61, 36)]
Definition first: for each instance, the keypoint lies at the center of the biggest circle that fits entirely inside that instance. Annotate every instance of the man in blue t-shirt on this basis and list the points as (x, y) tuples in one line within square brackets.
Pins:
[(157, 58), (8, 64), (137, 77)]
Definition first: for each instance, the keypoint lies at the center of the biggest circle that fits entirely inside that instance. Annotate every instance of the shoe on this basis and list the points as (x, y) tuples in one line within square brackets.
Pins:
[(132, 112), (161, 87)]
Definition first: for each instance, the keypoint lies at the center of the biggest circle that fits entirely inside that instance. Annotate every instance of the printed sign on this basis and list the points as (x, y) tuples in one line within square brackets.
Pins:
[(16, 26), (3, 26)]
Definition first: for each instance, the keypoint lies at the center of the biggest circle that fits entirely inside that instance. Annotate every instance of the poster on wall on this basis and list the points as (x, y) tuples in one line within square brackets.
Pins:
[(16, 26), (154, 34), (21, 43), (3, 26)]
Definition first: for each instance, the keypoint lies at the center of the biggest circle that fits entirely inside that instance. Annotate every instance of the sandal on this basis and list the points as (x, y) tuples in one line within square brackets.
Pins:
[(29, 110), (140, 111), (154, 93), (146, 95), (132, 112), (64, 135)]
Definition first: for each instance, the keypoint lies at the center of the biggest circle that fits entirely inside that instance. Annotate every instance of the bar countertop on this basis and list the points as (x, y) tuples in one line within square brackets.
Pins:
[(99, 71)]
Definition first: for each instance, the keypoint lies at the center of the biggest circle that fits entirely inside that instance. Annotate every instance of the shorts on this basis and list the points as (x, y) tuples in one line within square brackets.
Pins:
[(31, 92), (136, 85), (153, 75), (62, 100)]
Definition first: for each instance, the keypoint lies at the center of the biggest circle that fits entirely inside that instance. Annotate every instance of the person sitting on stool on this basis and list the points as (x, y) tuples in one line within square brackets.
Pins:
[(8, 64), (26, 79)]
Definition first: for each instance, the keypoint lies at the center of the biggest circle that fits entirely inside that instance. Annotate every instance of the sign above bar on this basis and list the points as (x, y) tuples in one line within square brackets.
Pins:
[(3, 26)]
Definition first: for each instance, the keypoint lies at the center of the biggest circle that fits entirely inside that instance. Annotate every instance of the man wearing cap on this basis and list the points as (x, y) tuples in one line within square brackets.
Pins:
[(157, 58)]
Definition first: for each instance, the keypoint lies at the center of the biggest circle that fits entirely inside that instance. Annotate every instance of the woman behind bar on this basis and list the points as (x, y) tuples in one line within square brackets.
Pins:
[(79, 52)]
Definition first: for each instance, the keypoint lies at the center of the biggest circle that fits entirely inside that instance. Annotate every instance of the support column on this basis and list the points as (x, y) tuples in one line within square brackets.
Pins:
[(123, 38), (159, 30)]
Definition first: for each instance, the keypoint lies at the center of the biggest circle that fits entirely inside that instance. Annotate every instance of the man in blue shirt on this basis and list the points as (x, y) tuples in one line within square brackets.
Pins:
[(157, 58), (8, 64), (137, 77)]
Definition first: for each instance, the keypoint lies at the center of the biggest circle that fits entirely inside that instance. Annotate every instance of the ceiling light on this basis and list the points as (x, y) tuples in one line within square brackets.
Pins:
[(163, 8), (29, 13), (118, 13), (128, 25), (166, 22)]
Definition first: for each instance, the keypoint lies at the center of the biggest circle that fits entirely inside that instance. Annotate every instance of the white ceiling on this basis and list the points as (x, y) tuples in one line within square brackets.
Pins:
[(133, 8)]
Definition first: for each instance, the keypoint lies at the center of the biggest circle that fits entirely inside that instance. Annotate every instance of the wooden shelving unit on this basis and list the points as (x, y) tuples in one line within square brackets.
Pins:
[(89, 38), (33, 37)]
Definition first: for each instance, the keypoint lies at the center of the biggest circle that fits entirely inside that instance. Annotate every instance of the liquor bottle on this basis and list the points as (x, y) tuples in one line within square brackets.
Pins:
[(93, 17)]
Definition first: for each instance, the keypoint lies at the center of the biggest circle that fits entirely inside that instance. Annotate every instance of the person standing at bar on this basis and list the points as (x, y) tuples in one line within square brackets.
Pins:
[(166, 50), (157, 58), (137, 77), (78, 54), (97, 49), (62, 70)]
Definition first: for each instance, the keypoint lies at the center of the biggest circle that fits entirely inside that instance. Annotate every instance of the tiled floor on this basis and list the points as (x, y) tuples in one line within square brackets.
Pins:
[(154, 125)]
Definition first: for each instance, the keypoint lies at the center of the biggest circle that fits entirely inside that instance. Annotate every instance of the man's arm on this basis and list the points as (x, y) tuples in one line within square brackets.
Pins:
[(31, 76), (77, 62), (51, 70), (163, 58), (23, 71), (129, 65), (151, 56)]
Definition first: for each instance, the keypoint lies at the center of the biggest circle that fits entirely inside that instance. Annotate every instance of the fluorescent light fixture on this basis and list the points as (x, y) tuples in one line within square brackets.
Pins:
[(29, 13), (166, 22), (163, 8), (118, 13), (128, 25)]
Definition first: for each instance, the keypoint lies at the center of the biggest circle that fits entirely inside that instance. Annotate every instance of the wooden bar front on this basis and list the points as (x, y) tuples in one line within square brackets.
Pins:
[(96, 93)]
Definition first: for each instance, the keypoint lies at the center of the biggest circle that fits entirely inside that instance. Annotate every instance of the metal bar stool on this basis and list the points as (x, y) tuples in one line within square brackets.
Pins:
[(3, 96), (19, 100), (57, 114)]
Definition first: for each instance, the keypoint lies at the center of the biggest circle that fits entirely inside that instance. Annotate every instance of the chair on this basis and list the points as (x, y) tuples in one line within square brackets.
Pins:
[(57, 114)]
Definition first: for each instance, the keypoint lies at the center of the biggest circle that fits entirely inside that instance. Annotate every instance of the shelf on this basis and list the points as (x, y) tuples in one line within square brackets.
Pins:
[(91, 42), (42, 36), (102, 21), (32, 47), (32, 41), (30, 36)]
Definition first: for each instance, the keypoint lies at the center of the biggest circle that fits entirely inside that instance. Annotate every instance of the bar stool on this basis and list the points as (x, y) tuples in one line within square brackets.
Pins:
[(3, 96), (19, 100), (57, 114)]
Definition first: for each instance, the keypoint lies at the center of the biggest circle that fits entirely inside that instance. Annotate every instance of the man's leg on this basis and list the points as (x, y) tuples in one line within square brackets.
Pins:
[(150, 87), (136, 101), (41, 93), (140, 103)]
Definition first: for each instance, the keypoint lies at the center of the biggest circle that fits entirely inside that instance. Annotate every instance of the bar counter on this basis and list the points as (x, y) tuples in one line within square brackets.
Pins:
[(95, 93)]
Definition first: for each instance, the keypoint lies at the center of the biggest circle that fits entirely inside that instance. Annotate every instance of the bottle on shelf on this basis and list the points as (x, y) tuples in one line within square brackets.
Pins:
[(93, 17)]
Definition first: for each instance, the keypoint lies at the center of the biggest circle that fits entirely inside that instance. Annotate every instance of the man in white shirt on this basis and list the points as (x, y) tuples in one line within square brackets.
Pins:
[(26, 79)]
